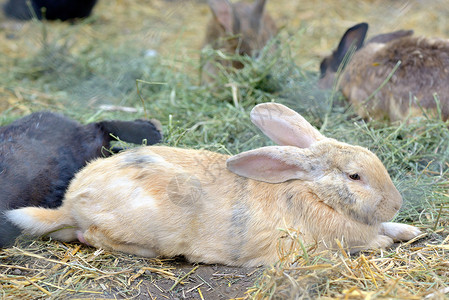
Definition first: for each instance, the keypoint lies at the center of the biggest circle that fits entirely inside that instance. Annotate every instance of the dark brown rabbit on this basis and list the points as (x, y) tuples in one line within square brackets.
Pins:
[(49, 9), (418, 67), (40, 153), (237, 28)]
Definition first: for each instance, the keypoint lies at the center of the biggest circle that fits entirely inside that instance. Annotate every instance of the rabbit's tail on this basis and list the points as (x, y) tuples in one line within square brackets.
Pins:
[(57, 223)]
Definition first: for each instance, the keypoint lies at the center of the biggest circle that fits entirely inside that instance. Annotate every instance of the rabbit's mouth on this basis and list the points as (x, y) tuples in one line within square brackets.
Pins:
[(363, 215)]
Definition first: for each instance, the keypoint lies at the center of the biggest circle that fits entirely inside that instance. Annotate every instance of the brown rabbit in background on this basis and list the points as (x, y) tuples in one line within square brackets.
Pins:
[(423, 71), (213, 208), (237, 28)]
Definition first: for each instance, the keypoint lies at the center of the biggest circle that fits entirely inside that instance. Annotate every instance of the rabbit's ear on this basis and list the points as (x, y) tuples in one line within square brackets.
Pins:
[(284, 126), (388, 37), (273, 164), (223, 13), (353, 38), (256, 16)]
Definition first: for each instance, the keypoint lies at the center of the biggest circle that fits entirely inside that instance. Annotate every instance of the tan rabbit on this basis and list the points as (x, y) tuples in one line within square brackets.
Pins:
[(422, 71), (213, 208), (237, 28)]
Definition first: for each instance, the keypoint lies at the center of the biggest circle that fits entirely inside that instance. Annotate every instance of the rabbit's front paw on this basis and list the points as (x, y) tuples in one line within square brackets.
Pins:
[(380, 242), (399, 232)]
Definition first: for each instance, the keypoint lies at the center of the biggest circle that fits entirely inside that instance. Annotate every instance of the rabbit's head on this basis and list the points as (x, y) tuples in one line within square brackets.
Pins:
[(241, 28), (351, 41), (351, 180)]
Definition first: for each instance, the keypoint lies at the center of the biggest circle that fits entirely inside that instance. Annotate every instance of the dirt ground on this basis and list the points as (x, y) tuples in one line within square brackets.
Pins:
[(78, 271), (175, 29), (206, 281), (212, 281)]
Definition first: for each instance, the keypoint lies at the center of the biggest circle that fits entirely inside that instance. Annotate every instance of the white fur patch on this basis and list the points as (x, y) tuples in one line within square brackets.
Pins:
[(139, 200), (400, 232), (28, 220), (22, 219)]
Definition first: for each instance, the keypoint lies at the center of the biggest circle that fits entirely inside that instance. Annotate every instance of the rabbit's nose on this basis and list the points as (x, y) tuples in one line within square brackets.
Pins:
[(398, 202), (397, 206)]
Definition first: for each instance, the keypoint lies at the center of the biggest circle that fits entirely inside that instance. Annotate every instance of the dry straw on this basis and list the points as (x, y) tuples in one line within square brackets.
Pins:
[(412, 270)]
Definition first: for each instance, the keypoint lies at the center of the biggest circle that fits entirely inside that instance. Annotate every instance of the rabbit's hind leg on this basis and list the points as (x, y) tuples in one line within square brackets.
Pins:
[(93, 236)]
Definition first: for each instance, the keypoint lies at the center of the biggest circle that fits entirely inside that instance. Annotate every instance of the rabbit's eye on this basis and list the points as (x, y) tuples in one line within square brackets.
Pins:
[(354, 176)]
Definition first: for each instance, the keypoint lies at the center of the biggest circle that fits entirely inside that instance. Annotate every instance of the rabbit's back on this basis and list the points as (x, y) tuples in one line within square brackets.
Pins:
[(169, 201), (154, 198), (423, 72)]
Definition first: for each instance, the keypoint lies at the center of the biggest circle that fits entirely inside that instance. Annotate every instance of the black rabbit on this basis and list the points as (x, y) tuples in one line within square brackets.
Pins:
[(49, 9), (40, 153)]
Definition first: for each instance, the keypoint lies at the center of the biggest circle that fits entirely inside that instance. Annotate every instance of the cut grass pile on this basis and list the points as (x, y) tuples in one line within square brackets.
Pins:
[(60, 68)]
